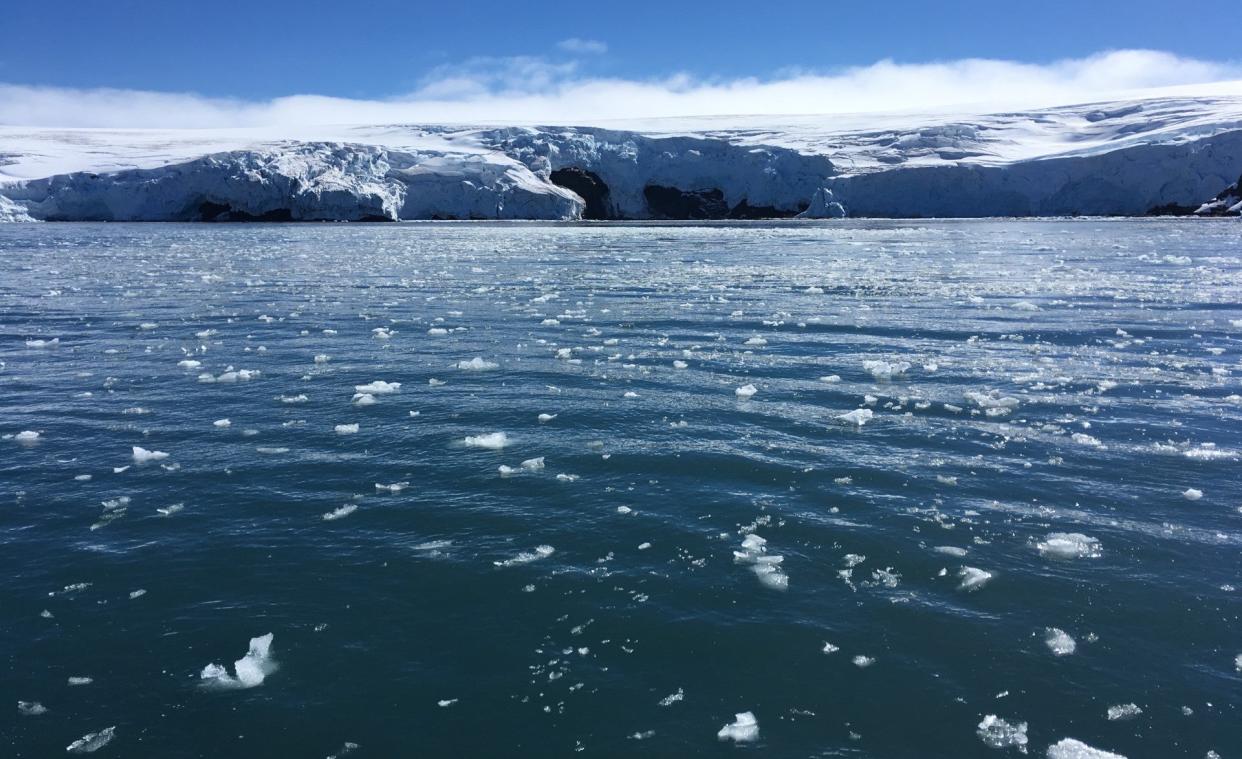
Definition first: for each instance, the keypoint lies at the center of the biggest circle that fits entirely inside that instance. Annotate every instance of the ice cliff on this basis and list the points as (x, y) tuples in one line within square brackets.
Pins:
[(1168, 155)]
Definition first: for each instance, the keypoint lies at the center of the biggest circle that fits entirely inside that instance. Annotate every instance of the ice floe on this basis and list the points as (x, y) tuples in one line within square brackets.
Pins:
[(142, 455), (346, 429), (477, 364), (973, 578), (378, 387), (746, 391), (340, 513), (1123, 712), (743, 729), (998, 733), (251, 670), (767, 567), (1070, 748), (1069, 545), (92, 742), (31, 708), (526, 557), (858, 417), (492, 441), (1059, 642)]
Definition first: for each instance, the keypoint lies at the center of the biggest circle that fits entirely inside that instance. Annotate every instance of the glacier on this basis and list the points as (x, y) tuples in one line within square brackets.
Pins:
[(1165, 155)]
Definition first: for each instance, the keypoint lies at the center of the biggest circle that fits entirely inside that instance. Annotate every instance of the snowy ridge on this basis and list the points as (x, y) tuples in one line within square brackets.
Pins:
[(1165, 155)]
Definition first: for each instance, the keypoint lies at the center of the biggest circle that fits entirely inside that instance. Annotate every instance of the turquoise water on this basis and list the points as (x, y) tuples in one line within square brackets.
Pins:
[(1026, 381)]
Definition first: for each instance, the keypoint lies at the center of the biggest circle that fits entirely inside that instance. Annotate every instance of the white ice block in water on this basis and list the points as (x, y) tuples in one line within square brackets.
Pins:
[(378, 387), (27, 436), (998, 733), (252, 669), (746, 391), (346, 429), (92, 742), (744, 729), (1069, 545), (340, 513), (492, 441), (1069, 748), (858, 417), (142, 455), (477, 364), (973, 578), (1059, 642)]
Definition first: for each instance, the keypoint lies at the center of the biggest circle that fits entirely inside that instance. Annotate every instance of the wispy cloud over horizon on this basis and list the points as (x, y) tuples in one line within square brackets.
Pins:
[(534, 89), (582, 46)]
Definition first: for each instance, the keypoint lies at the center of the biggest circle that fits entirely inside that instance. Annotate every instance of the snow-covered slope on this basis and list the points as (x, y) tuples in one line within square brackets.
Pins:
[(1132, 157)]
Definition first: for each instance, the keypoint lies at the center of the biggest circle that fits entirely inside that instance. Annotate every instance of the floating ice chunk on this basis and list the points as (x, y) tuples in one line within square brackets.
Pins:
[(252, 669), (951, 550), (1069, 748), (437, 331), (1087, 440), (378, 387), (168, 511), (81, 680), (506, 470), (829, 648), (992, 402), (395, 487), (547, 417), (477, 364), (1024, 305), (673, 698), (1069, 545), (831, 378), (858, 417), (744, 729), (221, 423), (30, 708), (340, 513), (746, 391), (534, 464), (445, 702), (133, 594), (766, 566), (492, 441), (526, 557), (884, 370), (997, 733), (92, 742), (1192, 494), (562, 477), (679, 364), (382, 333), (756, 340), (630, 394), (364, 399), (189, 363), (1123, 712), (973, 578), (628, 510), (346, 429), (142, 455), (1059, 642), (863, 662), (322, 358), (38, 343), (27, 436)]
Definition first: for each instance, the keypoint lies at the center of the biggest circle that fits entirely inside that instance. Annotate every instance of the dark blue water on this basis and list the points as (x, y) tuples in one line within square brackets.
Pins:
[(1043, 378)]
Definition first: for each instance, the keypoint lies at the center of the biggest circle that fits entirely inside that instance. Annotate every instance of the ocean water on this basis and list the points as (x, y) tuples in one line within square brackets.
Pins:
[(1038, 521)]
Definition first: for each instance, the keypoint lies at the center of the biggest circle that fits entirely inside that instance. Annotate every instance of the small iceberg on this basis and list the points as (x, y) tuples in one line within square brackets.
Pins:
[(477, 364), (997, 733), (1069, 748), (1069, 545), (493, 441), (92, 742), (252, 669), (1059, 642), (746, 391), (142, 455), (378, 387), (744, 729), (858, 417)]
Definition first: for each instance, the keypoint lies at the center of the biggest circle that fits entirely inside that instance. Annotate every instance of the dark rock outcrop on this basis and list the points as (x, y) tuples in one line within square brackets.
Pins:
[(673, 203), (1227, 203)]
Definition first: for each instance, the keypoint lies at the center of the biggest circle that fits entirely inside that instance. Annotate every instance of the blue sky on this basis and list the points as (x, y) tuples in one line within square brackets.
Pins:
[(231, 63), (380, 48)]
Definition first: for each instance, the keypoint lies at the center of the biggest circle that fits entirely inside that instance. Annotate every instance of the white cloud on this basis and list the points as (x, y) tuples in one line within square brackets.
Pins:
[(581, 47), (535, 90)]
